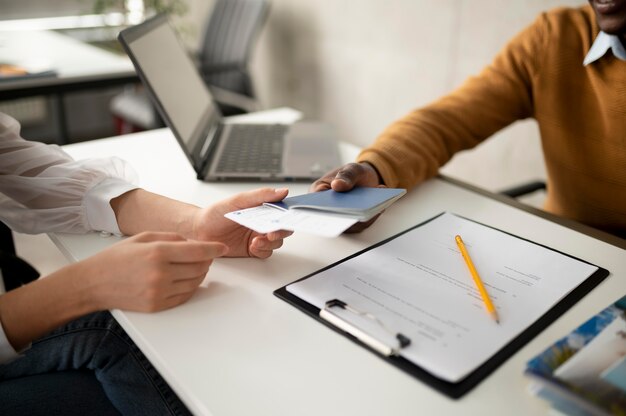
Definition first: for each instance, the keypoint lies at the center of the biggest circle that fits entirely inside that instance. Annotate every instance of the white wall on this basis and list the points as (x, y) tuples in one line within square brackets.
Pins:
[(361, 64)]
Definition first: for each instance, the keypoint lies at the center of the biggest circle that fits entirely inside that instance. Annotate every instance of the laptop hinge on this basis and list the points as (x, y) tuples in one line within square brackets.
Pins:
[(210, 141)]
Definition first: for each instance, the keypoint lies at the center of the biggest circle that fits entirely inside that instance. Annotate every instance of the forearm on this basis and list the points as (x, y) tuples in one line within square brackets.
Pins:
[(416, 146), (413, 148), (32, 311), (139, 210)]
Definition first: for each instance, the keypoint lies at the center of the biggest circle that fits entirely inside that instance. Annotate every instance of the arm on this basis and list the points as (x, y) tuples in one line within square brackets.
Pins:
[(42, 189), (413, 148), (147, 272), (204, 224)]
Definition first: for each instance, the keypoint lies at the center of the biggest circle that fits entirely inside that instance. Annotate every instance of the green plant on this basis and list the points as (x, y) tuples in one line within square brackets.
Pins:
[(174, 7)]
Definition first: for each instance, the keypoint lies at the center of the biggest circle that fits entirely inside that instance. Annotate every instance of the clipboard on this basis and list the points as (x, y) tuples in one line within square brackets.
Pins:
[(457, 389)]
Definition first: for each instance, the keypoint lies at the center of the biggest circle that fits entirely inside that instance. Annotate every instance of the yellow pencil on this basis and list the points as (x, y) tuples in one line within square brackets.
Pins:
[(481, 288)]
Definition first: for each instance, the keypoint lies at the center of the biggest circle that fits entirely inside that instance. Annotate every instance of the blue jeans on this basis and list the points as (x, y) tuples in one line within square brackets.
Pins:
[(97, 343)]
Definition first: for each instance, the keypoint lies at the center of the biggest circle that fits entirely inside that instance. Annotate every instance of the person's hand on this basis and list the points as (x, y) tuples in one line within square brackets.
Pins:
[(347, 177), (148, 272), (344, 179), (210, 225)]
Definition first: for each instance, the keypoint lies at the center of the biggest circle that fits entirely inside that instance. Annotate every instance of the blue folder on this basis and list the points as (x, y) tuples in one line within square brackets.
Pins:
[(361, 203)]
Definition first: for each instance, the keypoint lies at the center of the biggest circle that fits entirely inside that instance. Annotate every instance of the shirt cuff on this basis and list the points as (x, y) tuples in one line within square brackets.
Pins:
[(100, 215)]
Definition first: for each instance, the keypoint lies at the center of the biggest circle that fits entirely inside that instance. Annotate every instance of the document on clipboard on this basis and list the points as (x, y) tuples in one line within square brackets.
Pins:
[(411, 298)]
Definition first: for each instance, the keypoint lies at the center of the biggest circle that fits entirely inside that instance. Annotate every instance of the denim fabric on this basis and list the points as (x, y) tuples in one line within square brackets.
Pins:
[(97, 343)]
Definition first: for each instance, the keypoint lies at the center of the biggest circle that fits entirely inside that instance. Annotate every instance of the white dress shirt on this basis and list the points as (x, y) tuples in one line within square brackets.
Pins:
[(42, 189), (601, 45)]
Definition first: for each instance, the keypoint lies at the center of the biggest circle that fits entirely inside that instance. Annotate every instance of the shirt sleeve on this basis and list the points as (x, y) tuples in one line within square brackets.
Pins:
[(42, 189)]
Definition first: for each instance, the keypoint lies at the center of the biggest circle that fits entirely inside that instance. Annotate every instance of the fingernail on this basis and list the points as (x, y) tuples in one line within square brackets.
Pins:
[(280, 190)]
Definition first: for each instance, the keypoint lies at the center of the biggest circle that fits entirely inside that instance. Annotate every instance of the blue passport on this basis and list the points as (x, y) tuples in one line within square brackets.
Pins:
[(359, 203)]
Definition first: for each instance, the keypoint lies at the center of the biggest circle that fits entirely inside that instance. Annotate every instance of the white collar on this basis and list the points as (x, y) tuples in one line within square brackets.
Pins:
[(601, 45)]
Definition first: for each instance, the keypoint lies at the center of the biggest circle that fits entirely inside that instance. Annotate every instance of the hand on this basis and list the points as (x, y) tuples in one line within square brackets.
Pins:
[(347, 177), (210, 225), (148, 272), (344, 179)]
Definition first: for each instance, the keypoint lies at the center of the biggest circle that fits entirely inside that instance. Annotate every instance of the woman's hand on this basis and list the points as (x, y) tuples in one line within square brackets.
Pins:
[(148, 272), (210, 225)]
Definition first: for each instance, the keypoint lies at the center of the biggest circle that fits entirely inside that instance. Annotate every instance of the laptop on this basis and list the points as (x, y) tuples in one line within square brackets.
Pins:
[(221, 151)]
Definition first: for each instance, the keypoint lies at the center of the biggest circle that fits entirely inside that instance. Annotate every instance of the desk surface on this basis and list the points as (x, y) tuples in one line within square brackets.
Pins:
[(235, 349), (77, 64)]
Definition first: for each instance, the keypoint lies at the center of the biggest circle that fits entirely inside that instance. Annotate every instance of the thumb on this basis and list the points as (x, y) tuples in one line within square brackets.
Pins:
[(258, 196)]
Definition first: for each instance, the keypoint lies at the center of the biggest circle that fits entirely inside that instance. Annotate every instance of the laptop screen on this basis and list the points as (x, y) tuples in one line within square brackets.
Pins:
[(174, 82)]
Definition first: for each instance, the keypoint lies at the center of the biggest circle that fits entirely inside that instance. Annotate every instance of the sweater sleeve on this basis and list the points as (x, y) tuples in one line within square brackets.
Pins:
[(413, 148)]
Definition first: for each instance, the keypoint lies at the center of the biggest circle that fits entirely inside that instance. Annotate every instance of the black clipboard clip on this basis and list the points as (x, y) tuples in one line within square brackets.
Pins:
[(328, 315)]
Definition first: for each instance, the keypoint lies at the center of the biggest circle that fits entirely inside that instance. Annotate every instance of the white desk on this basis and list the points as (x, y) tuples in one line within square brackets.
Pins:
[(235, 349), (76, 64)]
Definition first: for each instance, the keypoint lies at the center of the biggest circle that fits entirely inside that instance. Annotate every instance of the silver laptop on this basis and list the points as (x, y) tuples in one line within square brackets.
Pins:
[(302, 151)]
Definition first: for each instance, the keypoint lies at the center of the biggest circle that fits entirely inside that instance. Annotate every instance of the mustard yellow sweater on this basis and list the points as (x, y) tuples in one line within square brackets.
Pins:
[(581, 113)]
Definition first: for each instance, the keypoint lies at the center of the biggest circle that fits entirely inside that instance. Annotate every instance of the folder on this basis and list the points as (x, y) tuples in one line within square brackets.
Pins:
[(408, 298), (361, 203), (584, 372)]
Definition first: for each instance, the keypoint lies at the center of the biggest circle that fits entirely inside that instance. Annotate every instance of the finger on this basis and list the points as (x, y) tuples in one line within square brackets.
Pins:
[(190, 251), (148, 236), (186, 271), (258, 196), (320, 185), (278, 235), (263, 248), (323, 183), (181, 287), (354, 174), (175, 300), (262, 243), (170, 295), (260, 254)]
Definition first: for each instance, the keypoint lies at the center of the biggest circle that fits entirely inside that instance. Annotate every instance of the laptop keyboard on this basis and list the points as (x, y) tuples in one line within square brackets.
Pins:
[(253, 148)]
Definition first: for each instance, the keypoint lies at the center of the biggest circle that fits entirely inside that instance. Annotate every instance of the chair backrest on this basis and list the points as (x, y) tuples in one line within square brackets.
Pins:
[(230, 35)]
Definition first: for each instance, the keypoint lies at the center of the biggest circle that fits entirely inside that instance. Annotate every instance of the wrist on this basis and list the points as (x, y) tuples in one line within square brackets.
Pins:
[(82, 290), (375, 171), (188, 221), (33, 310)]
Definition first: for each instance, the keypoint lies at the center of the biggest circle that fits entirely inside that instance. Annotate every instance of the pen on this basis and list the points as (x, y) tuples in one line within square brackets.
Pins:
[(479, 284)]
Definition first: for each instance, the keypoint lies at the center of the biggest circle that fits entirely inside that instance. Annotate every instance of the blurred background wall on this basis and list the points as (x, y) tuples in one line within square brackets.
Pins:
[(361, 64)]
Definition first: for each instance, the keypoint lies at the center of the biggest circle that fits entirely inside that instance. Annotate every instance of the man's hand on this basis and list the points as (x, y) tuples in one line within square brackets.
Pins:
[(347, 177), (210, 225)]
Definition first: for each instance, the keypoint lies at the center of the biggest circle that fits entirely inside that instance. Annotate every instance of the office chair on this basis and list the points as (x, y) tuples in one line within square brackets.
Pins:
[(231, 32)]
